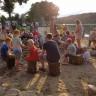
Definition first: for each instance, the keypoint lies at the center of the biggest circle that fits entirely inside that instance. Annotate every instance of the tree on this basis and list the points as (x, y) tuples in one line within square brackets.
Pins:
[(43, 9), (48, 10), (17, 17), (3, 19), (34, 13), (8, 6)]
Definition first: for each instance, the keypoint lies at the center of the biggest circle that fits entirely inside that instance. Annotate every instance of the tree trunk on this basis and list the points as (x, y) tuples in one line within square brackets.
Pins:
[(52, 25), (10, 18)]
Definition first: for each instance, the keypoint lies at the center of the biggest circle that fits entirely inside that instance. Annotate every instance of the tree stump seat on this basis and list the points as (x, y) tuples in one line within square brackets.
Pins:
[(54, 68), (76, 60), (32, 67)]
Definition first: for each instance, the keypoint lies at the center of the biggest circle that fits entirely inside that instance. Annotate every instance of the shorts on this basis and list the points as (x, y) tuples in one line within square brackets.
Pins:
[(68, 55), (17, 54), (43, 57)]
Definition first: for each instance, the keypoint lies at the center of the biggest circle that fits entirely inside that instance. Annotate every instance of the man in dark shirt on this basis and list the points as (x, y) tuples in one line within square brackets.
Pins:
[(13, 26), (50, 52)]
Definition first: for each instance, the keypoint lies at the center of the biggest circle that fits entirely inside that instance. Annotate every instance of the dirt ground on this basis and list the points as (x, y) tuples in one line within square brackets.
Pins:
[(72, 81)]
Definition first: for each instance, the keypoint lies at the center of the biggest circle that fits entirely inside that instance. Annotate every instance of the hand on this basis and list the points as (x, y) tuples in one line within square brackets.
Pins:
[(62, 56)]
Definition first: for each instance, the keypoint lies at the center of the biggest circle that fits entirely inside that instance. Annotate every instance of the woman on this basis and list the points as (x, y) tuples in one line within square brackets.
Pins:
[(78, 32)]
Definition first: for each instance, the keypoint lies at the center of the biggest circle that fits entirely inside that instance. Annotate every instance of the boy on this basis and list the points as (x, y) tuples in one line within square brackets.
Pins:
[(33, 54), (17, 50), (86, 54), (71, 50), (50, 52), (6, 55)]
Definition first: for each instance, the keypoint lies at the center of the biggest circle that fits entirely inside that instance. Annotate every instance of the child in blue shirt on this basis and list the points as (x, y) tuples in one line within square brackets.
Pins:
[(7, 55)]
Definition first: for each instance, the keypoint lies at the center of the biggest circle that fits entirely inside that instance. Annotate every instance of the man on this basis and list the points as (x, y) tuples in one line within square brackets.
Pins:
[(50, 52)]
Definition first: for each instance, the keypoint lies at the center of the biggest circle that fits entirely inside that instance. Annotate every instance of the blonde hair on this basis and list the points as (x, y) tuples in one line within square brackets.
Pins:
[(10, 35), (94, 29), (78, 21), (30, 41), (16, 32), (8, 39), (69, 40)]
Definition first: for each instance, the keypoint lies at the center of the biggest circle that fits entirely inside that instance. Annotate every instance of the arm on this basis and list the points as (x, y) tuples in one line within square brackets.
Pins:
[(65, 52), (22, 45), (43, 51), (8, 53)]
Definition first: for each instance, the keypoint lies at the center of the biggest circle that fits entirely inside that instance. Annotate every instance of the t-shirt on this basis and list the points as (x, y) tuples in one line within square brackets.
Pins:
[(72, 49), (35, 34), (16, 43), (33, 55), (86, 56), (70, 36), (4, 50), (52, 51), (14, 27)]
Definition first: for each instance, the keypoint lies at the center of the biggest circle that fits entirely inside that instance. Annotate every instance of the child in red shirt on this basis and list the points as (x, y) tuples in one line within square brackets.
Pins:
[(33, 54)]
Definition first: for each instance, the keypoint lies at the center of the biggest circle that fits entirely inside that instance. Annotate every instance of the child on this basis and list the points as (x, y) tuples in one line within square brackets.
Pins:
[(33, 54), (91, 36), (39, 38), (94, 38), (86, 54), (6, 54), (17, 50), (71, 50)]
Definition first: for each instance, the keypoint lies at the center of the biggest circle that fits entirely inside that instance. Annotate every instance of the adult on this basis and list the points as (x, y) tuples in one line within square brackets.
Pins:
[(50, 52), (31, 27), (7, 28), (13, 26), (78, 32)]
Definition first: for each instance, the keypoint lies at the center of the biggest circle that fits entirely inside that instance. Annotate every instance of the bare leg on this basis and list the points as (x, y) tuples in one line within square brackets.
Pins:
[(66, 60), (43, 65), (79, 42), (17, 65)]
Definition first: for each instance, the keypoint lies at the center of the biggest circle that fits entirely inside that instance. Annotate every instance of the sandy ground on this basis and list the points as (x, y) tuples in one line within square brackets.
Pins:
[(72, 81)]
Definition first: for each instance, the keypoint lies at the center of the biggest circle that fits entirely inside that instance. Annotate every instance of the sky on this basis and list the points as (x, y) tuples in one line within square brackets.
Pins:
[(67, 7)]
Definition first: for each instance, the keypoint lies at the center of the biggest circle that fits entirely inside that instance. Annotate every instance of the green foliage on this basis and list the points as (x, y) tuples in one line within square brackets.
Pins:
[(41, 10), (8, 5), (59, 26), (48, 10)]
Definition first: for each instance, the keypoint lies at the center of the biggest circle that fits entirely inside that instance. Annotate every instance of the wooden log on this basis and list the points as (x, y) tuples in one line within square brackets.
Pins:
[(79, 51), (32, 67), (76, 60), (54, 69)]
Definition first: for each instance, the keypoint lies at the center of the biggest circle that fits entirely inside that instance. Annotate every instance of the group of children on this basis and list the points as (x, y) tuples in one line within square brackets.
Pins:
[(11, 49)]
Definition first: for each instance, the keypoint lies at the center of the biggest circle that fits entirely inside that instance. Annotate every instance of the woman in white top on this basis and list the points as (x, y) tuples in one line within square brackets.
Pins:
[(7, 28), (78, 32)]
